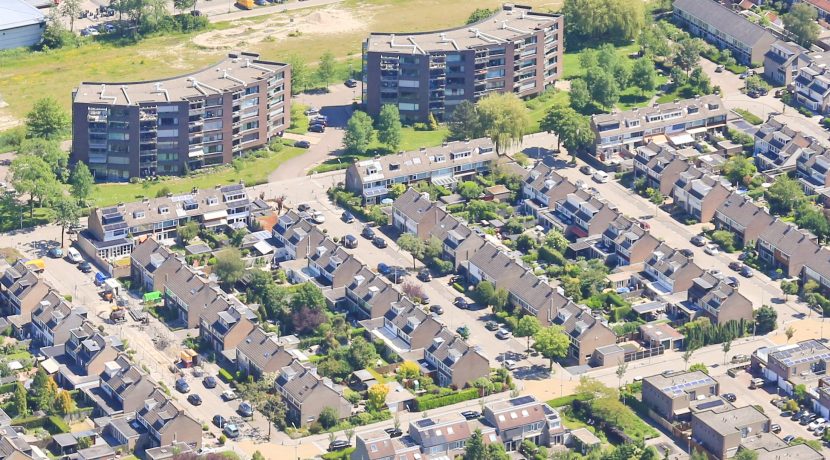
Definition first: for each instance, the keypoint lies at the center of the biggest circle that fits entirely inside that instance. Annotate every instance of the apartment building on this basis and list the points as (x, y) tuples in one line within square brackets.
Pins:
[(812, 82), (778, 147), (790, 364), (112, 232), (670, 271), (626, 242), (524, 418), (782, 245), (168, 127), (167, 424), (812, 168), (670, 394), (618, 133), (699, 195), (722, 432), (306, 394), (585, 332), (446, 165), (713, 296), (453, 361), (516, 50), (743, 218), (725, 29), (783, 61), (660, 166)]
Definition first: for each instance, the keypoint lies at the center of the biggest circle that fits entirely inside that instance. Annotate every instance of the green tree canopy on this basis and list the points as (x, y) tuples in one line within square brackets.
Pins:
[(765, 319), (552, 343), (389, 126), (325, 69), (480, 14), (229, 266), (47, 120), (66, 213), (464, 122), (619, 21), (785, 195), (801, 22), (359, 133), (739, 169), (580, 96), (572, 129), (505, 119), (469, 190), (299, 73), (81, 182), (644, 75)]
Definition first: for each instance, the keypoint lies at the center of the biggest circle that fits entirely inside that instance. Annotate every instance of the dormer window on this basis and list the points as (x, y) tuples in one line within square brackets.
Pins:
[(138, 215), (164, 209), (212, 200)]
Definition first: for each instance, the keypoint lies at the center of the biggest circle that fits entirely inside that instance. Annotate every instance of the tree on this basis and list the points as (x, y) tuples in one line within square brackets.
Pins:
[(376, 398), (746, 454), (71, 9), (726, 346), (604, 87), (66, 213), (552, 343), (65, 404), (47, 120), (325, 70), (789, 288), (650, 453), (469, 190), (644, 75), (526, 327), (412, 244), (33, 176), (688, 53), (801, 22), (622, 367), (20, 400), (184, 5), (359, 133), (789, 332), (229, 266), (389, 126), (504, 118), (556, 240), (308, 295), (409, 370), (187, 232), (785, 195), (699, 367), (765, 319), (480, 14), (299, 73), (580, 96), (571, 128), (687, 355), (81, 182), (49, 151), (44, 391), (811, 218), (620, 21), (739, 170), (464, 122), (257, 456), (475, 449), (328, 417)]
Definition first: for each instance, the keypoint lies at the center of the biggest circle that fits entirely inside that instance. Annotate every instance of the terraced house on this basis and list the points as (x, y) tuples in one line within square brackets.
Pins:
[(306, 394), (297, 235), (21, 291), (743, 218), (813, 169), (718, 300), (670, 271), (660, 166), (671, 393), (699, 195), (261, 353), (625, 242), (54, 319), (516, 50), (122, 388), (778, 147), (525, 418), (783, 246), (167, 424), (812, 82), (585, 332), (369, 295), (408, 324), (453, 362)]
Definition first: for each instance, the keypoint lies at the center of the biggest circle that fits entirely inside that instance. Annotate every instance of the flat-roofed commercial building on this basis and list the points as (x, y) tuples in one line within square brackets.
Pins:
[(515, 50), (170, 126)]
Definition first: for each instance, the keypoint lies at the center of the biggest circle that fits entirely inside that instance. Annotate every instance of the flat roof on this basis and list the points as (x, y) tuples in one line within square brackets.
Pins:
[(727, 422), (235, 71), (506, 25)]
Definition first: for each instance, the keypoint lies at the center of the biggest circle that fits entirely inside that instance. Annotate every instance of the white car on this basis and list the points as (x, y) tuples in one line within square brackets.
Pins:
[(510, 364), (816, 423), (601, 177), (318, 217), (74, 256), (228, 395), (711, 249)]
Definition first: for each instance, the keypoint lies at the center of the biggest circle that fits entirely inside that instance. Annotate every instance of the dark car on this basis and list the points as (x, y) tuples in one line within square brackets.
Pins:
[(436, 309), (367, 233), (787, 413), (424, 275), (742, 256), (219, 421), (797, 415), (209, 381), (789, 438), (491, 326), (339, 444), (807, 419), (55, 253), (687, 252), (747, 272), (347, 217), (302, 144), (396, 275), (730, 397), (470, 415), (383, 269), (182, 386), (379, 242), (302, 207), (735, 266), (350, 241), (732, 281), (351, 83), (85, 267), (317, 129), (194, 399), (394, 432), (245, 409), (463, 331), (461, 303), (698, 240)]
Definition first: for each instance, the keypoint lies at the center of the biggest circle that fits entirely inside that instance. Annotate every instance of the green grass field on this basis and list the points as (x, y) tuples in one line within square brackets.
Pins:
[(254, 171)]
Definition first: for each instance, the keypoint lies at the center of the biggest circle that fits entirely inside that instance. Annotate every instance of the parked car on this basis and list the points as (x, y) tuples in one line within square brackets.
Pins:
[(463, 331), (194, 399), (711, 249), (747, 272), (302, 144), (698, 240), (347, 217), (302, 207), (182, 386), (510, 365), (491, 326), (424, 275), (231, 430), (318, 217), (350, 241), (741, 358), (367, 233), (312, 111), (601, 177), (383, 269), (461, 303), (209, 381), (789, 438), (85, 267), (245, 409), (730, 397), (437, 310), (687, 252), (396, 275), (587, 170), (471, 415), (219, 421), (394, 432), (228, 395), (317, 129), (732, 281), (351, 83), (775, 428), (338, 445), (719, 68), (819, 431), (74, 256), (503, 334), (55, 253), (787, 414), (807, 419), (735, 266), (379, 242)]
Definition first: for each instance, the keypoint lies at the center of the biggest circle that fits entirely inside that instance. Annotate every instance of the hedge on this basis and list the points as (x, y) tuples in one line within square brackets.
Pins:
[(53, 424), (552, 256), (344, 454), (430, 402), (7, 388)]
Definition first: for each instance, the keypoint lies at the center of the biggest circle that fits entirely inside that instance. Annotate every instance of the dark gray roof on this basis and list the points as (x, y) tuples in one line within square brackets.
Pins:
[(264, 350), (725, 20)]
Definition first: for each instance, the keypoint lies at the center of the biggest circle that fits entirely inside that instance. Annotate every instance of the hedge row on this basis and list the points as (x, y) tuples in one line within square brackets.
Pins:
[(430, 402), (53, 424), (7, 388)]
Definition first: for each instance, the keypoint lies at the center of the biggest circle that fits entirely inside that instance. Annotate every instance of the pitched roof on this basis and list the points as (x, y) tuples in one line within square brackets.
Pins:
[(740, 209), (300, 382), (413, 205), (725, 20), (449, 348), (263, 350)]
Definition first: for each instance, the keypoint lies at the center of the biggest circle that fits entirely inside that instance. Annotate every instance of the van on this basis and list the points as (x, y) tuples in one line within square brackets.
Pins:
[(601, 177), (245, 4), (74, 256), (756, 383)]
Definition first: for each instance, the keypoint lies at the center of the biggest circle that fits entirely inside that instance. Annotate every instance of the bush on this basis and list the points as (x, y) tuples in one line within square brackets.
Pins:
[(428, 402), (724, 239), (53, 424)]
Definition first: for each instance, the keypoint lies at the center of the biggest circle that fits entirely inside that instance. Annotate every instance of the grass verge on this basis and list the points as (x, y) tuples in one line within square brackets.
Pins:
[(749, 117)]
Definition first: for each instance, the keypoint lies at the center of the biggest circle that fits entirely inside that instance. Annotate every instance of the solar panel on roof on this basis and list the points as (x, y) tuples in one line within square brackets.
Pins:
[(711, 404), (521, 400)]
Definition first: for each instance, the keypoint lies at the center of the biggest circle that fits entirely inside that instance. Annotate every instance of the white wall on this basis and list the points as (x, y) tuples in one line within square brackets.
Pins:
[(21, 36)]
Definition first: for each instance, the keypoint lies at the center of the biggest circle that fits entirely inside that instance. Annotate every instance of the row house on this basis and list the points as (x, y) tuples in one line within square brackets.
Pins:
[(777, 147), (453, 361), (224, 323), (53, 319), (262, 353), (113, 232), (489, 263), (585, 332), (627, 242), (670, 394), (458, 242), (524, 418), (743, 218), (413, 212), (409, 323), (721, 432), (83, 357), (166, 423), (543, 188), (332, 265), (151, 263), (296, 235), (444, 165), (370, 295), (659, 165), (725, 29), (187, 293), (122, 388), (699, 195), (306, 394), (535, 296), (718, 300), (585, 214), (783, 245), (817, 268), (13, 446), (670, 271), (444, 437), (622, 132), (377, 445), (21, 291), (812, 82), (812, 168), (790, 364), (782, 62)]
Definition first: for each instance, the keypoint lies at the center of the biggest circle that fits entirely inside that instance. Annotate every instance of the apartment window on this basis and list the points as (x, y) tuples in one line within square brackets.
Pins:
[(252, 90), (250, 125), (212, 125), (408, 106), (250, 102), (216, 148), (496, 73)]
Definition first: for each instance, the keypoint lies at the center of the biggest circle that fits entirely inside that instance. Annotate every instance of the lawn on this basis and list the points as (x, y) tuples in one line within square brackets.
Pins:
[(10, 220), (573, 69), (299, 120), (540, 106), (253, 171)]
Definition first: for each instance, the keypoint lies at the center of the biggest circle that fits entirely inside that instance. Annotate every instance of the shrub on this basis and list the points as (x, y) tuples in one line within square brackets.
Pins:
[(428, 402), (724, 239)]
